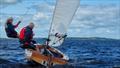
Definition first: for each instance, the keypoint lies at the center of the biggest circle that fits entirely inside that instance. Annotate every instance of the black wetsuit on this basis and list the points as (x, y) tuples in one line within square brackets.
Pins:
[(10, 30)]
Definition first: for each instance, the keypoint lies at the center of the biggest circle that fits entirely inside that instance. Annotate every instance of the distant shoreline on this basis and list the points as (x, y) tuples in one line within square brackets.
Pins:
[(101, 38)]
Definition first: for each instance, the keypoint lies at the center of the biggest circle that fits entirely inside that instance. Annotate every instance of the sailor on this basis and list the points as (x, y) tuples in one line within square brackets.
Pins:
[(26, 37), (10, 28)]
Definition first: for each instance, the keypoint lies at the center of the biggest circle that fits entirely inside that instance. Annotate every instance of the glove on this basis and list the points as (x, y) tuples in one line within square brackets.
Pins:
[(19, 22), (34, 42), (26, 43)]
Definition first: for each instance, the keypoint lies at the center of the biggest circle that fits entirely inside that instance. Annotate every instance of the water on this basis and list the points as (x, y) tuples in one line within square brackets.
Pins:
[(83, 53)]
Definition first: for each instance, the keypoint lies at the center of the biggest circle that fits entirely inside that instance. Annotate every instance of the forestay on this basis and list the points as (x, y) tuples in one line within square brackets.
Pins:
[(63, 14)]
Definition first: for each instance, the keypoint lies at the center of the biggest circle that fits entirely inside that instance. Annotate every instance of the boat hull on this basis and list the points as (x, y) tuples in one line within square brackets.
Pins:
[(46, 60)]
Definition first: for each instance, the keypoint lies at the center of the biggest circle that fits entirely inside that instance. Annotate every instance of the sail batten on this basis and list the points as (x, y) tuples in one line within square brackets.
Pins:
[(63, 15)]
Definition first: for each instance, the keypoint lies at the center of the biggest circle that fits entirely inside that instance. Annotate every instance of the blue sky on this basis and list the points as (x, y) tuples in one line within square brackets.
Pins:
[(94, 18)]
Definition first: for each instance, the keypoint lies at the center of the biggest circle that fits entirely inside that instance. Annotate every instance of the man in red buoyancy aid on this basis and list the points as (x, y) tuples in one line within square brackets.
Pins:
[(10, 28), (26, 37), (27, 42)]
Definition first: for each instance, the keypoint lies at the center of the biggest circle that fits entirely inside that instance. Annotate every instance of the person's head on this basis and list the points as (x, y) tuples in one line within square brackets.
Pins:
[(10, 20), (31, 25)]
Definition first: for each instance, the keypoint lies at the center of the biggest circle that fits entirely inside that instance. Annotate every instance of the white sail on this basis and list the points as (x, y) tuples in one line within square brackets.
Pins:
[(63, 14)]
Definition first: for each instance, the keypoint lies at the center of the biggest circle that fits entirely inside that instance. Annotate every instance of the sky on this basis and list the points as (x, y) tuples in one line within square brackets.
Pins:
[(94, 18)]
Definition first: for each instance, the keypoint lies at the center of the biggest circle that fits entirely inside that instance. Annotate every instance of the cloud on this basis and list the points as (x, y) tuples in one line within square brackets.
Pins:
[(40, 16), (96, 17), (99, 19), (44, 13), (9, 1), (44, 7), (5, 3), (90, 20)]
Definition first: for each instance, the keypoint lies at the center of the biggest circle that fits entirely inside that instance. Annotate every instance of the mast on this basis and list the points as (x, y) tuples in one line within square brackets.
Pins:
[(51, 24)]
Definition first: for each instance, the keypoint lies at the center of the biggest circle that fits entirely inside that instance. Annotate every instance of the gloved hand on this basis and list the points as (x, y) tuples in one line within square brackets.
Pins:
[(26, 43), (34, 42), (19, 22)]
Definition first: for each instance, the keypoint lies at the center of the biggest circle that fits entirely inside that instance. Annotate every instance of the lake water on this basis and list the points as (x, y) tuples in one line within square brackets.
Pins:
[(83, 53)]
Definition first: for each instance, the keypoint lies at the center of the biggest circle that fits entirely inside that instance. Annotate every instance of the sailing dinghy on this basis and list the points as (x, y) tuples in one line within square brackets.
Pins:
[(63, 15)]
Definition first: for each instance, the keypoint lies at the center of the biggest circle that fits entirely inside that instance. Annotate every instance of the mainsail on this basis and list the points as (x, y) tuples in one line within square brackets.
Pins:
[(63, 14)]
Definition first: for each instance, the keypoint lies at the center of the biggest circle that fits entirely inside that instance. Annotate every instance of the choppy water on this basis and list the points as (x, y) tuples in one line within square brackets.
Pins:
[(83, 53)]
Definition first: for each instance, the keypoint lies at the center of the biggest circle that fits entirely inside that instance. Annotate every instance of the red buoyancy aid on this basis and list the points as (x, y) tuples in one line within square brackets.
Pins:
[(22, 33)]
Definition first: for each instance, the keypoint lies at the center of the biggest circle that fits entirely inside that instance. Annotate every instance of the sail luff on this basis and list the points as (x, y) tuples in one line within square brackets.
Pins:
[(52, 21)]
